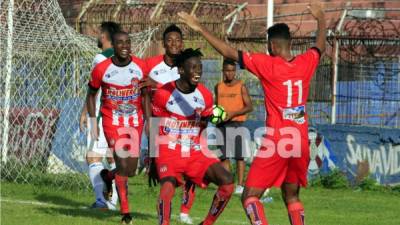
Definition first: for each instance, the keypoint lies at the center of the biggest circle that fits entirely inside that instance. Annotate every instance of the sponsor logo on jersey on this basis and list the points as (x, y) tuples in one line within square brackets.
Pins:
[(126, 109), (158, 72), (295, 114), (122, 94), (111, 74), (181, 127)]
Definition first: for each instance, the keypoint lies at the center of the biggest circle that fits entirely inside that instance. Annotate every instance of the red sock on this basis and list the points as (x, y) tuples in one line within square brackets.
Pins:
[(221, 198), (121, 183), (188, 197), (255, 211), (164, 203), (296, 213)]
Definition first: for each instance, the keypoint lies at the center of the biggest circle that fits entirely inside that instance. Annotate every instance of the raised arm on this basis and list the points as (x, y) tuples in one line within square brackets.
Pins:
[(318, 13), (221, 46)]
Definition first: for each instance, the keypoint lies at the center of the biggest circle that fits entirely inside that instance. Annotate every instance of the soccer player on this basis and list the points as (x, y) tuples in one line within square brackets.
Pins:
[(162, 71), (122, 111), (233, 96), (98, 149), (184, 105), (286, 80)]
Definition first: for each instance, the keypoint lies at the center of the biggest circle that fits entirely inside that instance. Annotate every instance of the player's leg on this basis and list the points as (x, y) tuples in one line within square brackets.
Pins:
[(265, 171), (125, 167), (240, 153), (225, 162), (167, 191), (240, 167), (290, 195), (296, 176), (113, 196), (94, 161), (126, 144), (218, 175), (187, 201), (253, 207)]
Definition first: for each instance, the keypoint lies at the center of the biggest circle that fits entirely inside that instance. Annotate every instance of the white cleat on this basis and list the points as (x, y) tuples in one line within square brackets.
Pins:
[(239, 190), (111, 206), (185, 218)]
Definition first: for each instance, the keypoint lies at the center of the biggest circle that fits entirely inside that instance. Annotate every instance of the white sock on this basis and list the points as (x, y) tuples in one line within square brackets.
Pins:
[(95, 179), (114, 197)]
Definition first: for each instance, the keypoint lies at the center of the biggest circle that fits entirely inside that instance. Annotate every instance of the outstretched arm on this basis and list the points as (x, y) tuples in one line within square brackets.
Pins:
[(318, 13), (221, 46)]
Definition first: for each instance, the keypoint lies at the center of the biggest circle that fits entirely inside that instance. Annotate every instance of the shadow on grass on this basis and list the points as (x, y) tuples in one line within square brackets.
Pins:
[(94, 214), (59, 200)]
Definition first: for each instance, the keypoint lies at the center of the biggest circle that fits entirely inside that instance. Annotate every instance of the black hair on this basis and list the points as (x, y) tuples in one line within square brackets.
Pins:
[(110, 28), (280, 31), (117, 33), (180, 59), (172, 28), (229, 62)]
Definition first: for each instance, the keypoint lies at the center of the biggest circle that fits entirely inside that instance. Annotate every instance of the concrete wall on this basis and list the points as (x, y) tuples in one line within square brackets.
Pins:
[(379, 146)]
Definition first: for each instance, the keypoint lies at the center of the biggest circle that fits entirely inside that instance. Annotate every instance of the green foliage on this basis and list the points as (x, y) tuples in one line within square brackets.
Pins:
[(335, 179)]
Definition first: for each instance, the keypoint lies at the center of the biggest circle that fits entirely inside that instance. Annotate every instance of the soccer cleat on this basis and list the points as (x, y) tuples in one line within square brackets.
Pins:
[(239, 189), (126, 219), (99, 205), (107, 182), (185, 218), (111, 206)]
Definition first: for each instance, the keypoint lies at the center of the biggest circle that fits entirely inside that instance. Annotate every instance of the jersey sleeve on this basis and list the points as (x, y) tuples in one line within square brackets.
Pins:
[(312, 57), (208, 101), (95, 78), (257, 63), (159, 102)]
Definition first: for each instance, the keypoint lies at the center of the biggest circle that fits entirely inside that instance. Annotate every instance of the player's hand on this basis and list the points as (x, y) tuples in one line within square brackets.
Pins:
[(229, 116), (190, 20), (152, 173), (147, 82), (94, 128), (83, 121), (316, 9)]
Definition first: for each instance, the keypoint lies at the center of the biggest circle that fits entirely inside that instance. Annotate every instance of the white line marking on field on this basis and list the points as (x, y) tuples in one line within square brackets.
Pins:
[(44, 204)]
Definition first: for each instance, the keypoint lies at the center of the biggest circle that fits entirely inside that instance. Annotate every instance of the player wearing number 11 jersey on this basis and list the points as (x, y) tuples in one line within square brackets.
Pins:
[(283, 158)]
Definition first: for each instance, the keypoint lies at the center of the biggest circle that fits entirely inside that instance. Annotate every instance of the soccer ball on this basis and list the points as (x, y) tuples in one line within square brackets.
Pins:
[(218, 115)]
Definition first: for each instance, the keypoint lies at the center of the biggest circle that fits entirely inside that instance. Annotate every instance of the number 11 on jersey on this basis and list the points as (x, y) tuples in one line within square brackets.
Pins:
[(289, 85)]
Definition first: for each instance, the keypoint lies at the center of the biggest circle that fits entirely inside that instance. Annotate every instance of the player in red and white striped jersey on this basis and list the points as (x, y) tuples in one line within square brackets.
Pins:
[(122, 112), (184, 106), (162, 71)]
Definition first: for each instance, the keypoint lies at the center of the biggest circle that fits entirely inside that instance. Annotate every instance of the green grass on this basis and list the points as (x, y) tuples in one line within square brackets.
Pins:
[(26, 204)]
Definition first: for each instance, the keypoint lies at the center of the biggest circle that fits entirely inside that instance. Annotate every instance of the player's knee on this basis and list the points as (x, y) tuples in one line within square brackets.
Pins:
[(131, 173), (250, 193), (226, 178), (291, 198)]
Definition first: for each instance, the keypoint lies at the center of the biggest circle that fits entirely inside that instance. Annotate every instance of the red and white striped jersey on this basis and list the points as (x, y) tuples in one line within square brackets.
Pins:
[(121, 97), (160, 72), (181, 115)]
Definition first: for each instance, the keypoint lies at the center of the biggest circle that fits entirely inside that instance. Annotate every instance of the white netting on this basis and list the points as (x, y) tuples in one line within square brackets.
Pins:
[(45, 66)]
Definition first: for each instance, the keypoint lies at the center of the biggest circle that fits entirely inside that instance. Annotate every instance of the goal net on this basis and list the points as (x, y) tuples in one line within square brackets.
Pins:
[(45, 66)]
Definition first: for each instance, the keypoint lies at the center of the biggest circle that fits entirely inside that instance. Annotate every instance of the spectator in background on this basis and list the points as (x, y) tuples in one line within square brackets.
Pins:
[(233, 96)]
